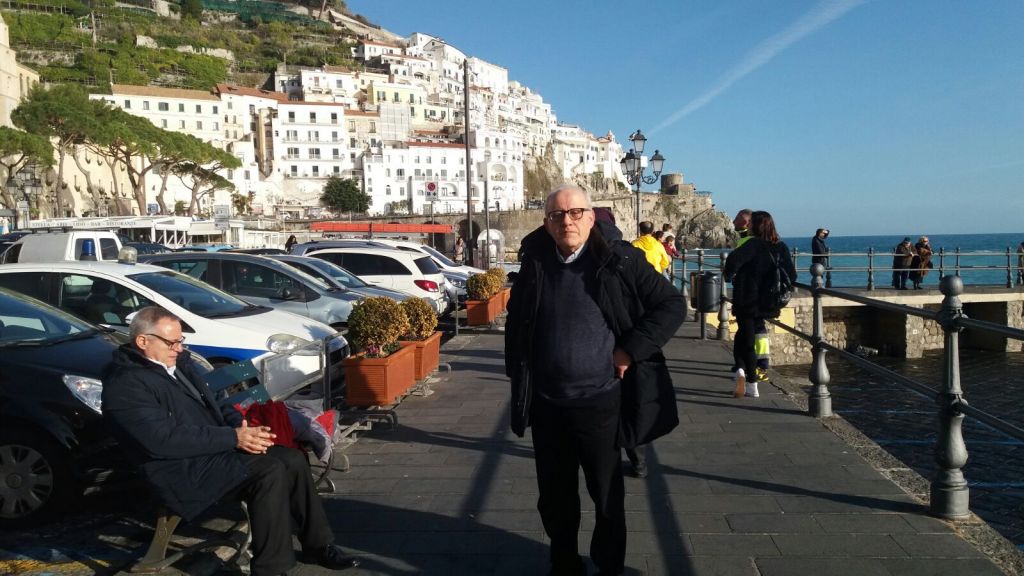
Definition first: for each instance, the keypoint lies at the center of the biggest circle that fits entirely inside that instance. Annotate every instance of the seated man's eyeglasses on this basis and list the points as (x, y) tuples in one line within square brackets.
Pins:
[(559, 215), (170, 343)]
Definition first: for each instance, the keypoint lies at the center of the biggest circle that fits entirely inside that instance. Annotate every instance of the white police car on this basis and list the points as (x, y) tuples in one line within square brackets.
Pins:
[(216, 325)]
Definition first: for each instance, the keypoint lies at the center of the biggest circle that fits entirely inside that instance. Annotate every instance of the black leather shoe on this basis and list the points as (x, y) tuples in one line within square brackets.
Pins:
[(333, 557)]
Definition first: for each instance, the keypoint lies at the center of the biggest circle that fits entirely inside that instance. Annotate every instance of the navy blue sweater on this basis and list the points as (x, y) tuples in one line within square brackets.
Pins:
[(573, 343)]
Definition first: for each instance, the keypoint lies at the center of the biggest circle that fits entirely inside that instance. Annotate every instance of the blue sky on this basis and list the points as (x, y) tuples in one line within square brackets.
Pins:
[(866, 117)]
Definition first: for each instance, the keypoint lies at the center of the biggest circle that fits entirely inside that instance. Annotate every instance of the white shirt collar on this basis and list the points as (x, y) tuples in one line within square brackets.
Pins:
[(170, 369), (571, 257)]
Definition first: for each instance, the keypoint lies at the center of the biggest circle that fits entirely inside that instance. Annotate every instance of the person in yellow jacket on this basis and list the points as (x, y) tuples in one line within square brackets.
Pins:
[(653, 250)]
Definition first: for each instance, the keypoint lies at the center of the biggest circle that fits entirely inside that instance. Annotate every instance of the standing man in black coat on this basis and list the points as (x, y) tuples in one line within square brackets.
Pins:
[(819, 249), (586, 323), (168, 423)]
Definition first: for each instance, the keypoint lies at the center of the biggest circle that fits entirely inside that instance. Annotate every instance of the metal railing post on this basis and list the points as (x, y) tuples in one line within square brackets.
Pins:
[(819, 401), (871, 268), (796, 258), (950, 495), (723, 310), (956, 268), (828, 267), (942, 262), (700, 269), (1009, 269), (684, 289)]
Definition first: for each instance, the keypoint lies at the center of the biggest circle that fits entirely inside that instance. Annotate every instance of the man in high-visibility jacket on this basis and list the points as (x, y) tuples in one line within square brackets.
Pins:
[(653, 250)]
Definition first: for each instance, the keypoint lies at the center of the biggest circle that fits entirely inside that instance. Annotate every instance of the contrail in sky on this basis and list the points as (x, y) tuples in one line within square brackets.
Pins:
[(819, 17)]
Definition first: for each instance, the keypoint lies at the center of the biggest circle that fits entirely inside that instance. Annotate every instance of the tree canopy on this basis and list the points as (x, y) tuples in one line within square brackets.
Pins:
[(344, 196)]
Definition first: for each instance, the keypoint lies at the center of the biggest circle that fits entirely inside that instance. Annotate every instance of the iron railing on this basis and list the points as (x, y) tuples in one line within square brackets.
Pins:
[(949, 490), (954, 262)]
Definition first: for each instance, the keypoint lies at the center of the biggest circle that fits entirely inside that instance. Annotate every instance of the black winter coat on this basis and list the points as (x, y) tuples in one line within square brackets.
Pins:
[(642, 308), (747, 267), (185, 447)]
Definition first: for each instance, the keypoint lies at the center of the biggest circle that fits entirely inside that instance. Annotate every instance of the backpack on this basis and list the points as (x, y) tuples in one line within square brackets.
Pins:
[(777, 289)]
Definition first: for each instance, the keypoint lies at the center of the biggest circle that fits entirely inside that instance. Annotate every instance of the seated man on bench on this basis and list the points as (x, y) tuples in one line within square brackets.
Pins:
[(168, 423)]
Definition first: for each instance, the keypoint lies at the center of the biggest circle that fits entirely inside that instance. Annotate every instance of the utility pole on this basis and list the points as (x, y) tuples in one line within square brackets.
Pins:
[(469, 171)]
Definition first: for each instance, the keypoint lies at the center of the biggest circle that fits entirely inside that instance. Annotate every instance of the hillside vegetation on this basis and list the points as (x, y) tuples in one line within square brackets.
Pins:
[(56, 37)]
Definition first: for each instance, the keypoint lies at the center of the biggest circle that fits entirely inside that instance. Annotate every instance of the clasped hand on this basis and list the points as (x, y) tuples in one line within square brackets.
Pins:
[(254, 439)]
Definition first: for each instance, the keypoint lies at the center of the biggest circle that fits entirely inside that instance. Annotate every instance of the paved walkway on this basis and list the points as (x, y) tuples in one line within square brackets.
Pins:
[(742, 487)]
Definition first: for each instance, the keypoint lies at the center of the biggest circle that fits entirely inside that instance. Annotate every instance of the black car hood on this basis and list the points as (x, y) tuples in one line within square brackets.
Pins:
[(84, 357)]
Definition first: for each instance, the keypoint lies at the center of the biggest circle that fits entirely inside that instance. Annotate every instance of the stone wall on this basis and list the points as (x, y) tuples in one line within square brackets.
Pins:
[(848, 326)]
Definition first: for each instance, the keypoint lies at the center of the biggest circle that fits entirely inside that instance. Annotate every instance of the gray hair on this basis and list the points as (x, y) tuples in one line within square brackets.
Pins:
[(556, 191), (145, 320)]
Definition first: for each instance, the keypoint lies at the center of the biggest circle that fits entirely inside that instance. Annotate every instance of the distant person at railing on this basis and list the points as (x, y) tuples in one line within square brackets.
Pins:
[(902, 260), (819, 249), (922, 261), (669, 242), (652, 248), (1020, 264), (749, 268), (742, 223)]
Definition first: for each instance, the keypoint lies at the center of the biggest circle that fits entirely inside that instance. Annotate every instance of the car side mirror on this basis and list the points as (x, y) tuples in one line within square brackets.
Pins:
[(290, 294)]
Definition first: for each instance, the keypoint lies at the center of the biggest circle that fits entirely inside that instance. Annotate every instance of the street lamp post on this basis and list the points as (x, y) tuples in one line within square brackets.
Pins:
[(28, 185), (633, 165)]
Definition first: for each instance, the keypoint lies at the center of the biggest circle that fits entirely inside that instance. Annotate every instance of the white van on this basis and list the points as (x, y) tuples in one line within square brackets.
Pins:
[(75, 245), (216, 325)]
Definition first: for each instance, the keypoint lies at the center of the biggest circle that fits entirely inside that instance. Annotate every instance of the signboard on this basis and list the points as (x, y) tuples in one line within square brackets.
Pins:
[(6, 212), (152, 208), (22, 204), (221, 214)]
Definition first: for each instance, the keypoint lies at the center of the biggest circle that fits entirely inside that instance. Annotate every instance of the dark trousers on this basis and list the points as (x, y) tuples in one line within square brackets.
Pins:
[(899, 279), (280, 487), (743, 345), (565, 439)]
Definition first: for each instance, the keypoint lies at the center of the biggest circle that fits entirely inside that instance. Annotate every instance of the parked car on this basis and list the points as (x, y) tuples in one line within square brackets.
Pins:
[(454, 274), (263, 281), (390, 268), (87, 245), (213, 247), (148, 247), (50, 369), (217, 325), (337, 276), (258, 251)]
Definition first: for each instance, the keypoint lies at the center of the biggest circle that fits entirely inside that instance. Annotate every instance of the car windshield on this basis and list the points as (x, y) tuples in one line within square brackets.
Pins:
[(440, 257), (25, 321), (339, 274), (193, 295)]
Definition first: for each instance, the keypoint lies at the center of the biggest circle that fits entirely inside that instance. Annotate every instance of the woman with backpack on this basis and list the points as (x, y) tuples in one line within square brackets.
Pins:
[(762, 273)]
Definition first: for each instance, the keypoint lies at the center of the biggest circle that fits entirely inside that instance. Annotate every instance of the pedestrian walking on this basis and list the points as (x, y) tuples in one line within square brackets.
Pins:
[(921, 262), (586, 322), (742, 223), (652, 248), (750, 268), (289, 243), (460, 250)]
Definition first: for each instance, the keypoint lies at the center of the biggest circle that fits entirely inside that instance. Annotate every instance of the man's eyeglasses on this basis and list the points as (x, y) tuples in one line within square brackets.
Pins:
[(170, 343), (559, 215)]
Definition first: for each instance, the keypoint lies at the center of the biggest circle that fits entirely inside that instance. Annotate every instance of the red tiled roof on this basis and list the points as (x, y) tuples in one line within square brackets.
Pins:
[(255, 92)]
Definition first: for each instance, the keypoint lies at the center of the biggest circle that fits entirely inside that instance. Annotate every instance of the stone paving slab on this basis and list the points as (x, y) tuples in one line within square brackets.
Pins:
[(743, 487)]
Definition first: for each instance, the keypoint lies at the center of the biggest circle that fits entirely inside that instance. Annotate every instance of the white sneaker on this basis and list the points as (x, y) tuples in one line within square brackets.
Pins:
[(741, 384), (751, 390)]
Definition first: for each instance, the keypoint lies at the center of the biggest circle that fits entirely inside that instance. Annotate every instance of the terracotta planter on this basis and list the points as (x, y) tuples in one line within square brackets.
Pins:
[(428, 354), (506, 293), (483, 312), (379, 381)]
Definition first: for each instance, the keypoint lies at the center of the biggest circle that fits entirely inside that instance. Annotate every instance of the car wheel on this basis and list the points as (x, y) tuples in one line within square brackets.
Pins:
[(36, 483)]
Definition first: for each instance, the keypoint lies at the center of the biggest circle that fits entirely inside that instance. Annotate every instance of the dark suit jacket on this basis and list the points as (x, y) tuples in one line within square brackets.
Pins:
[(184, 445)]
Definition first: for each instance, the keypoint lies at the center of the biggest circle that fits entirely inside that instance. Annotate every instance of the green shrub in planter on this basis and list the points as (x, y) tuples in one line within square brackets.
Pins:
[(482, 286), (500, 274), (422, 318), (375, 326)]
